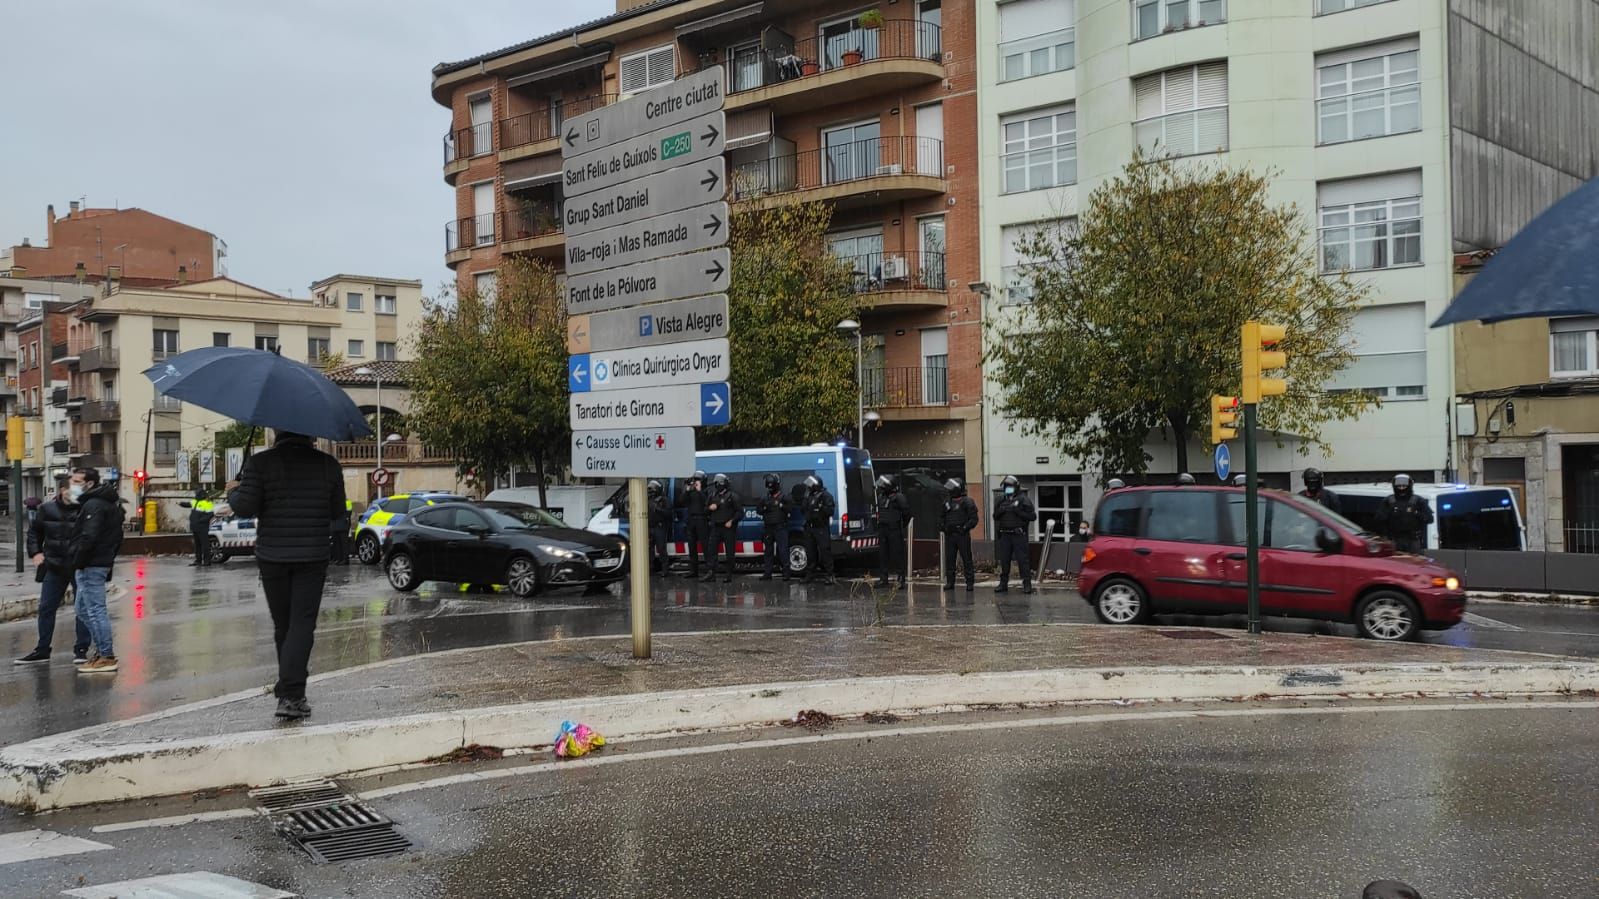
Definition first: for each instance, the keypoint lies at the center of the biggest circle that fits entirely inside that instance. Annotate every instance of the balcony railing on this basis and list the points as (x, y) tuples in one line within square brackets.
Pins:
[(464, 143), (532, 220), (97, 460), (898, 388), (532, 127), (97, 358), (839, 164), (396, 453), (877, 272), (59, 447), (757, 67), (58, 396), (1038, 55), (167, 404), (58, 351), (473, 231), (158, 355), (101, 410)]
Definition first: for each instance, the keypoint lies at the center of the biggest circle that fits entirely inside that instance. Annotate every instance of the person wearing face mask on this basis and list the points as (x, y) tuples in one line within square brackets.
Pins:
[(960, 517), (1083, 534), (777, 511), (49, 536), (819, 508), (726, 511), (96, 537), (1012, 514), (1404, 517), (660, 528), (698, 532), (1316, 492), (893, 511)]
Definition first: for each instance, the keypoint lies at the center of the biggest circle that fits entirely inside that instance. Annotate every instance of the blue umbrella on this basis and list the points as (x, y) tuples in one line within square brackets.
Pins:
[(262, 389), (1550, 268)]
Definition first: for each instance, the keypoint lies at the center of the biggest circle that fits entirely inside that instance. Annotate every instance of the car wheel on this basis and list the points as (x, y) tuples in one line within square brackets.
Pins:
[(403, 575), (1121, 601), (1388, 615), (799, 557), (217, 555), (523, 578), (367, 548)]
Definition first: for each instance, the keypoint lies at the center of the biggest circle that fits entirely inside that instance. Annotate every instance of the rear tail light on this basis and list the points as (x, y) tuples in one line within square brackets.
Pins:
[(843, 523)]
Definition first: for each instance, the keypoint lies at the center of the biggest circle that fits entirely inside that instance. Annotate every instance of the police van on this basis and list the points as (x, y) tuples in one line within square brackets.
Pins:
[(1465, 516), (845, 471)]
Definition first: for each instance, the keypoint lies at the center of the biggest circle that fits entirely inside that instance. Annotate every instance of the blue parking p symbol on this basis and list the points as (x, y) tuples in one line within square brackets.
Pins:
[(646, 326)]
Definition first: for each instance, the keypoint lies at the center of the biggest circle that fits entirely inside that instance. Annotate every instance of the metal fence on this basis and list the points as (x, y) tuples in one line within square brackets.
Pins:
[(916, 270), (532, 127), (472, 231), (901, 387), (839, 163)]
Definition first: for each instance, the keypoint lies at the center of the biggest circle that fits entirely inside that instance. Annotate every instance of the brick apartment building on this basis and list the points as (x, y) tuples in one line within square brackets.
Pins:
[(134, 246), (878, 119)]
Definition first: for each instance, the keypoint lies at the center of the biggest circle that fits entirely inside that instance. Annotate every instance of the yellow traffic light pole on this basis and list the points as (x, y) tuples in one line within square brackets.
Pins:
[(1256, 340)]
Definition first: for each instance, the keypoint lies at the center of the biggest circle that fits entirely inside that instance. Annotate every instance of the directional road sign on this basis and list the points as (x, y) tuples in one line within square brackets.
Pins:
[(696, 140), (700, 318), (694, 362), (689, 275), (699, 228), (1224, 461), (669, 191), (634, 453), (674, 406), (658, 107)]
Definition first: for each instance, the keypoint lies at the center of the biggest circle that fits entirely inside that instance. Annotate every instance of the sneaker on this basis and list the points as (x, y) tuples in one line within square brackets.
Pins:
[(33, 658), (80, 656), (101, 665)]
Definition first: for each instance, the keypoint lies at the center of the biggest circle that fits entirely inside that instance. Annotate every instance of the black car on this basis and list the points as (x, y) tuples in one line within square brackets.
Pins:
[(526, 549)]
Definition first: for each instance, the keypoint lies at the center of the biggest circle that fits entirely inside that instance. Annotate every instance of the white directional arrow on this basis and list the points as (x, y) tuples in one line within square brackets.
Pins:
[(715, 403), (580, 373)]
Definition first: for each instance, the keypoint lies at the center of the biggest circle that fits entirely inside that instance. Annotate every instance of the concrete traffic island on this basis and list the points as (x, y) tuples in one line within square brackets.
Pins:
[(420, 708)]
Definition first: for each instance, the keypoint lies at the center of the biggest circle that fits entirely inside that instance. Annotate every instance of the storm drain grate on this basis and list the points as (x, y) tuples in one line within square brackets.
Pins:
[(353, 844), (300, 795), (1194, 635), (328, 823)]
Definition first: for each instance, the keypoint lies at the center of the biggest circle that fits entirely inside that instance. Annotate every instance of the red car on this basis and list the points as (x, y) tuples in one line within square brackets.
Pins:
[(1181, 549)]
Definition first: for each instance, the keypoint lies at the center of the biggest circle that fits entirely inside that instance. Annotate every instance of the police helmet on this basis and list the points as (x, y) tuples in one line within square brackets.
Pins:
[(1313, 478), (1241, 480), (955, 487), (813, 483), (772, 482), (720, 480), (698, 476), (1403, 485), (1011, 481), (1115, 484), (885, 483), (1185, 479), (655, 487)]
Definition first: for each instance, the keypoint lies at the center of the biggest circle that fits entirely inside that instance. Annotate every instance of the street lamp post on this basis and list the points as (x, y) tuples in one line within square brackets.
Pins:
[(377, 436), (853, 327)]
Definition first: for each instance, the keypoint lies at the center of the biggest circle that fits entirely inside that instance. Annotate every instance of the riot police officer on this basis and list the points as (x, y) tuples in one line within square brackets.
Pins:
[(1404, 517), (693, 501), (1012, 514), (819, 508), (660, 528), (1316, 492), (777, 513), (893, 512), (726, 511), (960, 517)]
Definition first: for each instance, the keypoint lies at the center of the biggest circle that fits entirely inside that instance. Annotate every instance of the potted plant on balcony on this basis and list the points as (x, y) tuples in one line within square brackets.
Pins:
[(852, 57), (809, 67), (870, 19)]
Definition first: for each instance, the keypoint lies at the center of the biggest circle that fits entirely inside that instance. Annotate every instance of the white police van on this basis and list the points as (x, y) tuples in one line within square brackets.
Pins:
[(231, 537), (1465, 516)]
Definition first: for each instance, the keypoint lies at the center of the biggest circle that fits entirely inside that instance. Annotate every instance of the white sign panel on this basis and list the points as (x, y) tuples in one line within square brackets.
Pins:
[(699, 318), (670, 191), (634, 453), (235, 462), (182, 466), (208, 466), (699, 228), (689, 275), (657, 107), (695, 140), (693, 362), (680, 405)]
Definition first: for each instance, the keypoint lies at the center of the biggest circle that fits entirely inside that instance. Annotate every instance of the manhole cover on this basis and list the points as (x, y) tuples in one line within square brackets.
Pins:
[(1194, 635), (328, 823)]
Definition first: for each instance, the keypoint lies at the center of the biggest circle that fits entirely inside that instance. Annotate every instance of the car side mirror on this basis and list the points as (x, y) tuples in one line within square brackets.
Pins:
[(1328, 541), (477, 530)]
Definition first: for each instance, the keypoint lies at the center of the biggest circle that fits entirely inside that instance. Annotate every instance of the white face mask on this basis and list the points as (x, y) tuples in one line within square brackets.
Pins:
[(74, 492)]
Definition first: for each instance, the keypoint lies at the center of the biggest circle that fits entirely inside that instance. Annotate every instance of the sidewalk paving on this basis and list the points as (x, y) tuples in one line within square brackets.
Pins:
[(417, 708)]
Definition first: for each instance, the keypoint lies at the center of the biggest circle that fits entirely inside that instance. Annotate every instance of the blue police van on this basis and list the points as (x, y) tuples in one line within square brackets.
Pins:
[(845, 471)]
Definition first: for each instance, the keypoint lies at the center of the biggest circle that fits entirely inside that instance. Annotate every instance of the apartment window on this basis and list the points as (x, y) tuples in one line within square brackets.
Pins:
[(1036, 37), (386, 351), (268, 342), (318, 348), (642, 71), (35, 300), (165, 343), (480, 110), (483, 285), (1390, 347), (167, 404), (221, 338), (166, 446), (1182, 112), (1016, 262), (863, 250), (352, 302), (1370, 223), (1574, 347), (386, 303), (1040, 149), (1152, 17), (357, 349), (1324, 7), (1368, 92)]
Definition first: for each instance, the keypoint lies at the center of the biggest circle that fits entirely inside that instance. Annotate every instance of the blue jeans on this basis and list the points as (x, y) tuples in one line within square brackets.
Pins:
[(52, 590), (92, 610)]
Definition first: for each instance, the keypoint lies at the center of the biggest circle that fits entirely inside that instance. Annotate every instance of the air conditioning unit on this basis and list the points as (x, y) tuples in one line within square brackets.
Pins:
[(895, 268), (895, 169)]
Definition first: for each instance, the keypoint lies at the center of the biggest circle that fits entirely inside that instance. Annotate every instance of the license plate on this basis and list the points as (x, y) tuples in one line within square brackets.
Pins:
[(607, 563)]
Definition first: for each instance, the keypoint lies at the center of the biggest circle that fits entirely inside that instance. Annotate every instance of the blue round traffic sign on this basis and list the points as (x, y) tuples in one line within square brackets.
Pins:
[(1224, 461)]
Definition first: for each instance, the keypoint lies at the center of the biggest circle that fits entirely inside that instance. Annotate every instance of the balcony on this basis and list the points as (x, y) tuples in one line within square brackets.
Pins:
[(461, 146), (889, 281), (98, 358), (409, 452), (461, 236), (101, 410), (537, 133), (59, 447), (166, 404), (94, 460), (534, 227), (854, 173), (837, 67), (58, 397), (918, 389), (26, 411)]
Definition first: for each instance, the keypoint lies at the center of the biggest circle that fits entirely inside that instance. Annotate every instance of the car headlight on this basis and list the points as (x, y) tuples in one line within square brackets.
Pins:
[(560, 552), (1448, 583)]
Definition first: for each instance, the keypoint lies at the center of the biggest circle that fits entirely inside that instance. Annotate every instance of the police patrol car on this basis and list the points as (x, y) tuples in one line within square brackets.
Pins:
[(231, 537), (387, 512)]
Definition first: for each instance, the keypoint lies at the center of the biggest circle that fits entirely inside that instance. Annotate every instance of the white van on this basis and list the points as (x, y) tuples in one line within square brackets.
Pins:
[(573, 504), (1465, 516)]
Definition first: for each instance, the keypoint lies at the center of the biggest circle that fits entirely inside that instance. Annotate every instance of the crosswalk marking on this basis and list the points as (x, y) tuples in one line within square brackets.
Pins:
[(1487, 623), (193, 885), (29, 845)]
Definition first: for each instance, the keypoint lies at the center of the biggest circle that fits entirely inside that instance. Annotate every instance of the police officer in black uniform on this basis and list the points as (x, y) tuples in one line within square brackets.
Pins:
[(698, 532), (1012, 514), (1403, 517), (726, 511), (201, 512), (1316, 492), (777, 513), (660, 528), (819, 508), (893, 512), (960, 517)]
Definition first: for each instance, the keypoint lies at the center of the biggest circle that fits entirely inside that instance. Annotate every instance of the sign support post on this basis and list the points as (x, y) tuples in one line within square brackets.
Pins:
[(638, 523), (1252, 519)]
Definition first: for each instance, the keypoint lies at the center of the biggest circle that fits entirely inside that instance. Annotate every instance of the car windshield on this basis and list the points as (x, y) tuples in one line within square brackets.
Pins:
[(1319, 509), (519, 518)]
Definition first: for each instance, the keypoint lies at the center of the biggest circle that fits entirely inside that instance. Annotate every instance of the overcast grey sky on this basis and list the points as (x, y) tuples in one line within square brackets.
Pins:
[(300, 132)]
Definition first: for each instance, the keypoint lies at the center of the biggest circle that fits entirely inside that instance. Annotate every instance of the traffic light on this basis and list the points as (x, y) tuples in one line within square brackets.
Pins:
[(139, 475), (1258, 357), (1223, 419)]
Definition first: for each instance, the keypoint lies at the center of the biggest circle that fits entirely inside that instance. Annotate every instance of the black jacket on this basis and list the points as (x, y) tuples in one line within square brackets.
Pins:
[(694, 501), (97, 533), (728, 507), (960, 515), (893, 510), (1013, 512), (1405, 522), (819, 509), (1327, 498), (660, 513), (776, 509), (51, 533), (292, 490)]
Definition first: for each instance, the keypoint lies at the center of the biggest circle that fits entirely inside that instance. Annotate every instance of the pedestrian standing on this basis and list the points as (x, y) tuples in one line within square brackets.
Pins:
[(777, 515), (693, 502), (660, 521), (960, 517), (96, 537), (1012, 514), (818, 509), (49, 539), (292, 490), (726, 511), (1083, 534), (1404, 517), (340, 527), (201, 513), (893, 512), (1316, 491)]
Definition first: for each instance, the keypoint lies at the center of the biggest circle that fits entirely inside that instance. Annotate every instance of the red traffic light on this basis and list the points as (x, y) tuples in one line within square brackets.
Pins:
[(139, 475)]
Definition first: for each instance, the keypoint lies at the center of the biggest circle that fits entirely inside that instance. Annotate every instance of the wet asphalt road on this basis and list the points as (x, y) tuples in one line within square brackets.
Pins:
[(183, 635), (1276, 800)]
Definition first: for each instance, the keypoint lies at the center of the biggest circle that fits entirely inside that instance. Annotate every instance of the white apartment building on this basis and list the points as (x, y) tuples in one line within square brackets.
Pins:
[(378, 315), (1349, 101)]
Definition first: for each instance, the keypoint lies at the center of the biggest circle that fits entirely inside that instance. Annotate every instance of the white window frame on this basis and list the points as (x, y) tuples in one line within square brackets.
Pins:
[(1039, 53), (1193, 17), (1016, 289), (482, 132), (394, 351), (1588, 327), (649, 69), (1394, 89), (386, 304), (1322, 10), (1388, 223), (1201, 111), (355, 349), (353, 301), (311, 343), (1059, 125), (1415, 328)]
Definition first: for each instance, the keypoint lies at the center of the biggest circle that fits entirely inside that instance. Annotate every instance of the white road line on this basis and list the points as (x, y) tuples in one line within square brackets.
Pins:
[(181, 886), (179, 820), (1492, 624), (32, 845), (925, 730)]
